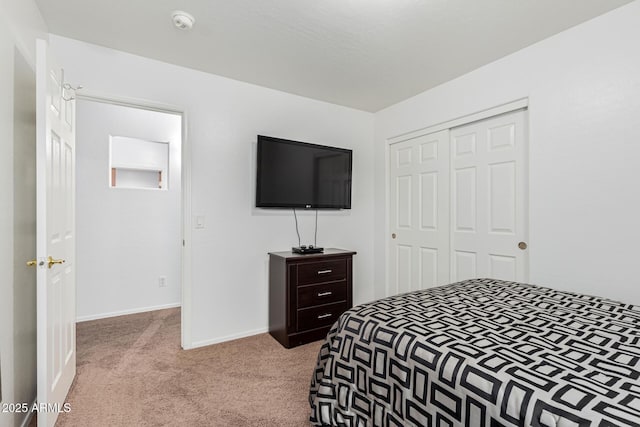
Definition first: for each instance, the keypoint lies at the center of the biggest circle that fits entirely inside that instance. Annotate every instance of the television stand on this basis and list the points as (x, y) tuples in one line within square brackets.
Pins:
[(306, 250)]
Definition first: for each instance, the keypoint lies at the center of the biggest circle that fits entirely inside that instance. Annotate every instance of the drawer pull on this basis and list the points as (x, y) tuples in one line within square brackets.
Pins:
[(324, 316), (324, 271), (325, 294)]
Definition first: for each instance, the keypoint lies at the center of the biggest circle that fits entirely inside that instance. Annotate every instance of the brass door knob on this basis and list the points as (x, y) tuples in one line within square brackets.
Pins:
[(51, 261), (522, 245), (32, 263)]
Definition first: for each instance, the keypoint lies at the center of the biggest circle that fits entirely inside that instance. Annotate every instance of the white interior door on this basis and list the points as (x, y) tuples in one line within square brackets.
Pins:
[(419, 212), (489, 193), (55, 159)]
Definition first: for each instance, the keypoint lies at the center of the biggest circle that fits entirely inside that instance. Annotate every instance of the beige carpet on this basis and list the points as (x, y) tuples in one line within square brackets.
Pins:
[(132, 372)]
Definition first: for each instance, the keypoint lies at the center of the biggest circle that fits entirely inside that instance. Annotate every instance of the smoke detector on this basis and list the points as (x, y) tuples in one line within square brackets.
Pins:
[(183, 20)]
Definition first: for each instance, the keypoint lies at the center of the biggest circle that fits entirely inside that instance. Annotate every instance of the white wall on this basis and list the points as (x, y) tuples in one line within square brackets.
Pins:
[(127, 238), (583, 87), (229, 259), (20, 24), (24, 232)]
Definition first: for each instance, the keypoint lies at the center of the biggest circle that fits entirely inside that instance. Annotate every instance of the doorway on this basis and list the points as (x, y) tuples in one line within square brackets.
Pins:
[(128, 208)]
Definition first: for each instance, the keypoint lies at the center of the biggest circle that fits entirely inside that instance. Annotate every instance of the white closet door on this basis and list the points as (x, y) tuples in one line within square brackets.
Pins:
[(419, 212), (489, 194)]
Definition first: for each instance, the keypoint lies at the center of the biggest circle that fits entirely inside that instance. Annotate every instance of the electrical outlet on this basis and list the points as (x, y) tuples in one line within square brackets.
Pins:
[(162, 281)]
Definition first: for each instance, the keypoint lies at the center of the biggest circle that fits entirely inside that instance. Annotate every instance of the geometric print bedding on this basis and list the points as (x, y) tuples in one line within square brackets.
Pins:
[(481, 352)]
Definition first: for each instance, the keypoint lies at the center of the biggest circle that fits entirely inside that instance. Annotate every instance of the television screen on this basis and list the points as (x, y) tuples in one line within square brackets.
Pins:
[(292, 174)]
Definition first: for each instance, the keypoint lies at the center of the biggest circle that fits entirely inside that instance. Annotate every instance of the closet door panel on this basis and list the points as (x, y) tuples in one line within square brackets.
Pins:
[(490, 198), (419, 212)]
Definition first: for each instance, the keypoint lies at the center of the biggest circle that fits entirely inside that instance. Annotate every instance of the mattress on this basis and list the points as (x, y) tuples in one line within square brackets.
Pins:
[(481, 352)]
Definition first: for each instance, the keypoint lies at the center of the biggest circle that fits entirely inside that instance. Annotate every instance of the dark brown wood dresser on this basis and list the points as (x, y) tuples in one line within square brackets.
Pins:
[(307, 293)]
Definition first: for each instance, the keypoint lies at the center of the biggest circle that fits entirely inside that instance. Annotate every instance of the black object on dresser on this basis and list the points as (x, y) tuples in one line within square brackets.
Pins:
[(307, 294)]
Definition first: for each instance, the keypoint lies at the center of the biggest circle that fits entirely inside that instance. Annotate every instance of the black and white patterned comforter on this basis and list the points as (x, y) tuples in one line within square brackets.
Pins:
[(481, 353)]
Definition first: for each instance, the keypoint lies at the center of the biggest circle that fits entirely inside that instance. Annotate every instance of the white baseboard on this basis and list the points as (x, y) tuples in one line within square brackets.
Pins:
[(125, 312), (205, 343)]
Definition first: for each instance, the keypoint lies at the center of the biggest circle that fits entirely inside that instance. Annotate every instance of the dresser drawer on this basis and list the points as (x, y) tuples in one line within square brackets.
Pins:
[(322, 271), (318, 316), (322, 294)]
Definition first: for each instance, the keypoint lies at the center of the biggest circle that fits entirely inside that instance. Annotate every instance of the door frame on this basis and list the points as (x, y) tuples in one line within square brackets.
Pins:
[(185, 211), (522, 103)]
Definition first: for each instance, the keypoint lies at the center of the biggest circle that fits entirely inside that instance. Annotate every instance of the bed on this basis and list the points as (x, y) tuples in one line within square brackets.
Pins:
[(481, 352)]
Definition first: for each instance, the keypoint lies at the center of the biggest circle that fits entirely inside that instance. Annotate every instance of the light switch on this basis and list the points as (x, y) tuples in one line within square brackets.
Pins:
[(199, 222)]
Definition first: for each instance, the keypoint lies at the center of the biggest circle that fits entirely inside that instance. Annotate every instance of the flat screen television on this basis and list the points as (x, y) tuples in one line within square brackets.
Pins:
[(293, 174)]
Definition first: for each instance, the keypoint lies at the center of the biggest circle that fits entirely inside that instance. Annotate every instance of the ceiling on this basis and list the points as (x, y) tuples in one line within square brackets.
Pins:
[(365, 54)]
